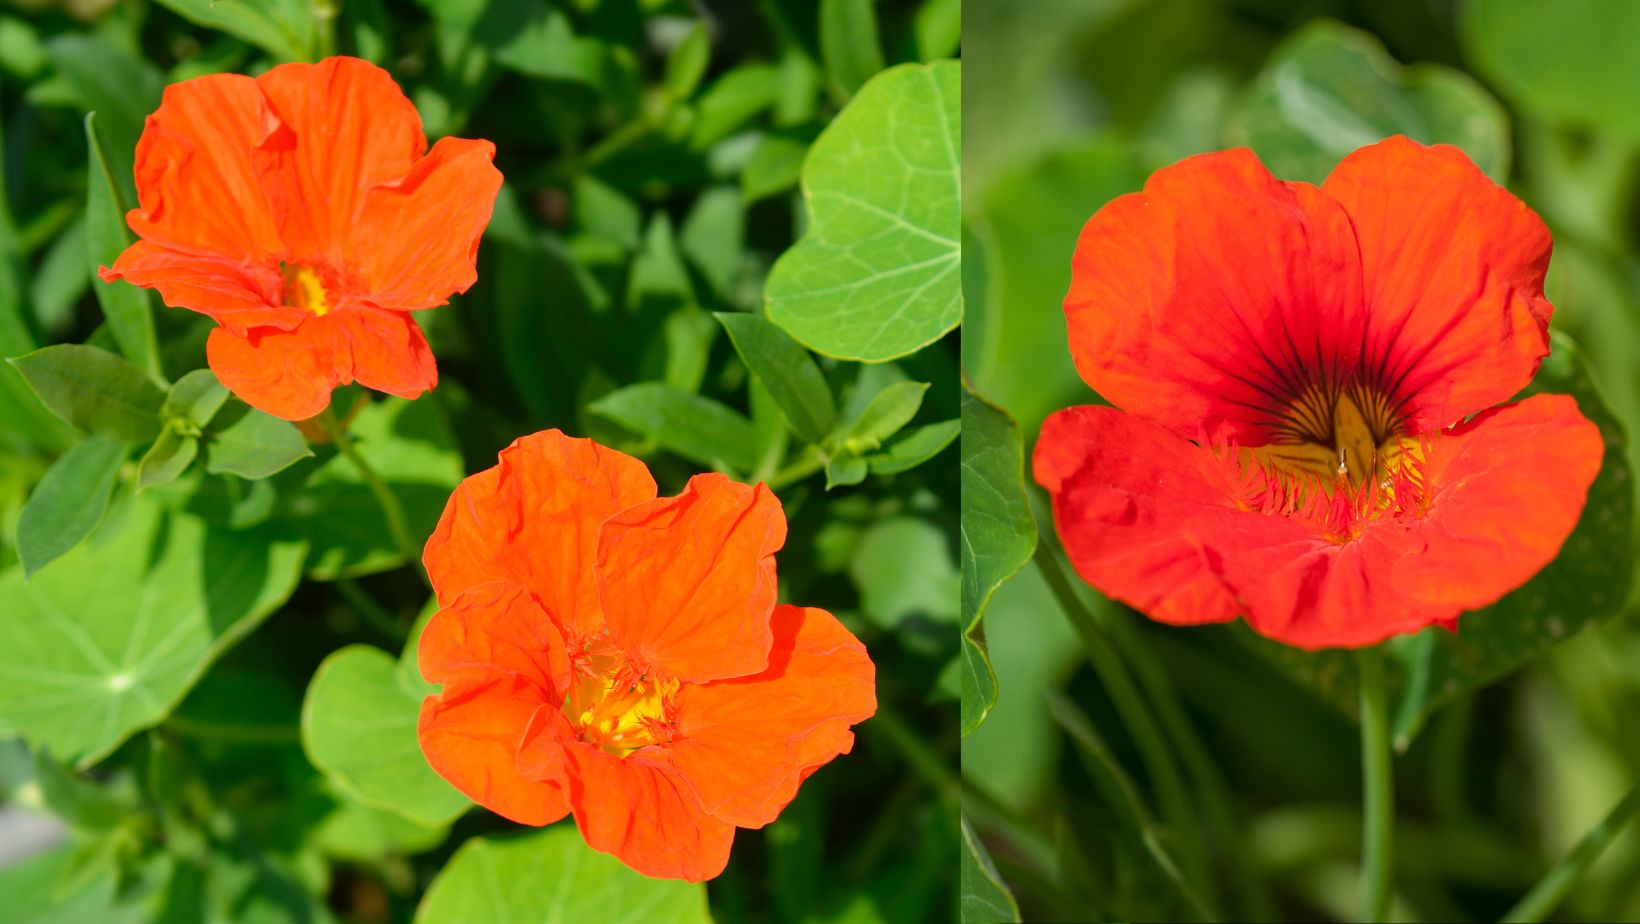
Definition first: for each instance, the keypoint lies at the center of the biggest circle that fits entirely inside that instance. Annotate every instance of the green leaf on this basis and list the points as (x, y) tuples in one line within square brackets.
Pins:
[(787, 370), (253, 444), (889, 410), (168, 458), (284, 28), (848, 43), (998, 536), (773, 167), (984, 898), (1330, 89), (694, 427), (1572, 62), (355, 831), (194, 399), (878, 273), (128, 309), (94, 390), (604, 211), (842, 471), (1587, 583), (81, 803), (410, 446), (117, 85), (687, 63), (69, 501), (110, 641), (938, 28), (731, 101), (713, 237), (552, 877), (904, 570), (658, 274), (914, 447), (359, 727)]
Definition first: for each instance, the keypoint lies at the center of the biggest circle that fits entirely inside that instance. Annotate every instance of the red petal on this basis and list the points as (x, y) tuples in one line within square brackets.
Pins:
[(688, 582), (639, 809), (534, 520), (239, 296), (744, 745), (417, 238), (1197, 302), (198, 189), (346, 128), (1454, 270), (1145, 514), (499, 658)]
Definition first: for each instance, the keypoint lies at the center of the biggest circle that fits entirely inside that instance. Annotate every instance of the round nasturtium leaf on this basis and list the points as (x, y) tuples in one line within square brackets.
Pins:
[(359, 727), (109, 640), (878, 275), (552, 877)]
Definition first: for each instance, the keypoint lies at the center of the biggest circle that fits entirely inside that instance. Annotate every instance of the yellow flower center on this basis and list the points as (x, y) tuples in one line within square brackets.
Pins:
[(1349, 433), (615, 705), (305, 290)]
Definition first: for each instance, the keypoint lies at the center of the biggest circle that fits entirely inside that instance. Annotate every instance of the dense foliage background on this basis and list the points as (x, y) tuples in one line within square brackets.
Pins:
[(1130, 771), (202, 681)]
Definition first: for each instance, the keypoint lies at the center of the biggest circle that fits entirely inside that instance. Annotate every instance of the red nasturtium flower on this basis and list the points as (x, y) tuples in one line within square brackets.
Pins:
[(304, 213), (618, 655), (1309, 380)]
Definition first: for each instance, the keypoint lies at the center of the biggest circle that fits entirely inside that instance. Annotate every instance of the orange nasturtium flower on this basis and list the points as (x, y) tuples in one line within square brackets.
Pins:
[(618, 655), (304, 213), (1309, 381)]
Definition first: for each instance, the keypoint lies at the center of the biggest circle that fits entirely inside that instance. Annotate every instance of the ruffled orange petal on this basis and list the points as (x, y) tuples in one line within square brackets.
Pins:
[(744, 745), (345, 128), (288, 374), (238, 295), (417, 238), (499, 658), (1454, 269), (688, 582), (199, 191), (534, 519), (639, 809), (1203, 301), (385, 351)]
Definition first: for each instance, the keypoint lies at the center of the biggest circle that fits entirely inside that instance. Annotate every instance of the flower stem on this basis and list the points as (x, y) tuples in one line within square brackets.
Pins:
[(1553, 888), (392, 511), (1378, 795)]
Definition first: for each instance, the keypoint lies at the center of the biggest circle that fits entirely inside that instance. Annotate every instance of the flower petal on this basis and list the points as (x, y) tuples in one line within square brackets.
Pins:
[(346, 128), (1454, 269), (534, 519), (499, 658), (688, 582), (385, 350), (417, 238), (639, 809), (1144, 514), (744, 745), (288, 374), (238, 295), (198, 188), (1203, 301)]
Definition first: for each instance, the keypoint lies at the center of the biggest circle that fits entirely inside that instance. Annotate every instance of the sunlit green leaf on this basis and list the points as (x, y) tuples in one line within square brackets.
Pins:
[(848, 42), (877, 274), (253, 444), (284, 28), (888, 411), (168, 458), (94, 390), (110, 640), (692, 426), (553, 877), (787, 370), (984, 897), (912, 448)]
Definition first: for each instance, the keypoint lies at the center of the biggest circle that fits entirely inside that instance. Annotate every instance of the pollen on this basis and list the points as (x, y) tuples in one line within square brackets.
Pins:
[(305, 289), (616, 704)]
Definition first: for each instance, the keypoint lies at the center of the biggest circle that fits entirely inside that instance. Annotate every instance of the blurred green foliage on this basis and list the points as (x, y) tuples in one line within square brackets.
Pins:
[(1131, 771), (208, 663)]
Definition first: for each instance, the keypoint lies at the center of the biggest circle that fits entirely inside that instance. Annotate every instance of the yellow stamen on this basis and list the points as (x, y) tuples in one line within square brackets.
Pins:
[(615, 706), (305, 290)]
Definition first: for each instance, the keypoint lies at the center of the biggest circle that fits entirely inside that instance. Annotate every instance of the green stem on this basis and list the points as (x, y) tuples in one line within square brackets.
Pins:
[(921, 758), (372, 612), (397, 527), (1159, 760), (796, 471), (1553, 888), (1378, 797)]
